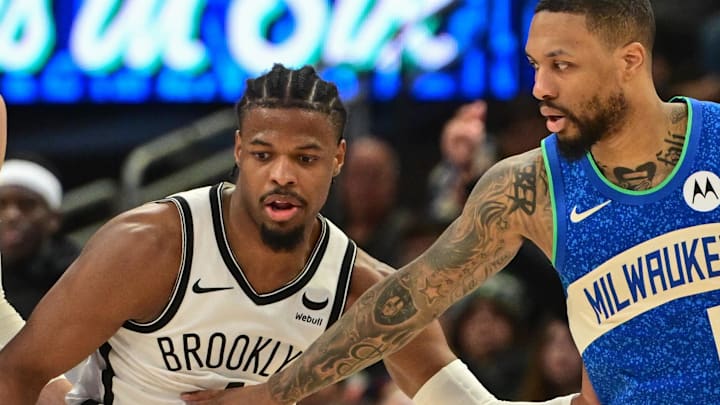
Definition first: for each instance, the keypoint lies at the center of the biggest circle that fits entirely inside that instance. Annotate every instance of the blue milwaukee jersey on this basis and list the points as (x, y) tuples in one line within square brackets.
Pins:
[(641, 269)]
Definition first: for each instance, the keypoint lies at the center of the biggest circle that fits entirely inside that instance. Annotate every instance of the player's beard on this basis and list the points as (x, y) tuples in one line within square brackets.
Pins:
[(282, 241), (606, 117)]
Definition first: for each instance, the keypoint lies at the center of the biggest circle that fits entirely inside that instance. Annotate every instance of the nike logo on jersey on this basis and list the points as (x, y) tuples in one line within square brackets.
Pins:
[(576, 217), (314, 305), (202, 290)]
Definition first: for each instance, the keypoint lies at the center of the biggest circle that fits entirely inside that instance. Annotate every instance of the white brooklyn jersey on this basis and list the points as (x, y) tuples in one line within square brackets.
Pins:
[(216, 330)]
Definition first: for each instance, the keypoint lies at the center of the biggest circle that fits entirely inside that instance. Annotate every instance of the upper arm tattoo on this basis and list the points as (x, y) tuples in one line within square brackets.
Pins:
[(480, 241), (524, 187)]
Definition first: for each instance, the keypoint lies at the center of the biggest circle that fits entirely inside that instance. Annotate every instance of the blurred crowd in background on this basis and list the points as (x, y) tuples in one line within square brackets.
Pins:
[(409, 169)]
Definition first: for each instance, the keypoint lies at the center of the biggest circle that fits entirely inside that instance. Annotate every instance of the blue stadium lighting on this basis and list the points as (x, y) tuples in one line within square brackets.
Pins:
[(19, 88), (345, 79), (386, 85), (183, 51), (434, 86)]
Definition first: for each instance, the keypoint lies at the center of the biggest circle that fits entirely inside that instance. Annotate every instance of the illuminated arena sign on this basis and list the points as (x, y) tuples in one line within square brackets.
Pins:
[(132, 51)]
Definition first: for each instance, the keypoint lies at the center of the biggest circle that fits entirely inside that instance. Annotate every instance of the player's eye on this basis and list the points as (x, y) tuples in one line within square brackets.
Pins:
[(307, 158), (262, 156), (562, 65)]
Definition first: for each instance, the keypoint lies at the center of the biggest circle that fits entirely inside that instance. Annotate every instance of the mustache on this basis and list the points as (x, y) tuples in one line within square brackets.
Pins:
[(283, 192), (550, 104)]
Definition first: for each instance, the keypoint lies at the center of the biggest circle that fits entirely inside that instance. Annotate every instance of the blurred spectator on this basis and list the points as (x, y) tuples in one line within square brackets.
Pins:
[(555, 365), (419, 235), (34, 256), (466, 154), (685, 14), (368, 210), (710, 41), (685, 53), (488, 335)]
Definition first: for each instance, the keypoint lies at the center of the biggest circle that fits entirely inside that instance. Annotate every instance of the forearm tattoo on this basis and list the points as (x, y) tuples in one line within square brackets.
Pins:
[(394, 305), (394, 311)]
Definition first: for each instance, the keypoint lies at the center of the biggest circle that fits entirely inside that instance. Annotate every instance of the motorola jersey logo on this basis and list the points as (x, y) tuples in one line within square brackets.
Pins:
[(702, 191), (312, 304)]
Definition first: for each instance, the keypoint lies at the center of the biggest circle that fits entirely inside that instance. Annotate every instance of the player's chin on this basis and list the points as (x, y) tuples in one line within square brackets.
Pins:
[(572, 146), (569, 134)]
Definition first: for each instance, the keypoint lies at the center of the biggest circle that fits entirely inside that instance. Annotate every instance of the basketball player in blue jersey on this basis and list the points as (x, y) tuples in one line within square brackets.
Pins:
[(623, 196), (10, 321), (219, 286)]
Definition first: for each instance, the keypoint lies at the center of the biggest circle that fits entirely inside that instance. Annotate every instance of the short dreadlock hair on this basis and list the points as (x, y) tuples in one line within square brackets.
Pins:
[(615, 22)]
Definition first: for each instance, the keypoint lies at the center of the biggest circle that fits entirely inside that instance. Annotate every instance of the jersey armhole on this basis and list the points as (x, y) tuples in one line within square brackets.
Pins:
[(557, 203), (182, 280)]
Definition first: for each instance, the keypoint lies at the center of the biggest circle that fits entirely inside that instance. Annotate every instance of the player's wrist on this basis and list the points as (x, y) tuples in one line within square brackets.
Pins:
[(453, 384)]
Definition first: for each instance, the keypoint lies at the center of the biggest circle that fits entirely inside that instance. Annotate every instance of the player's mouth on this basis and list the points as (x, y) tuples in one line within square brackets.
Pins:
[(281, 212), (281, 208), (555, 123), (555, 120)]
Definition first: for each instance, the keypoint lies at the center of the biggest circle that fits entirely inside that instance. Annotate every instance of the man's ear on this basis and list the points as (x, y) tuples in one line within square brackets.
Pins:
[(339, 159), (633, 59), (238, 146)]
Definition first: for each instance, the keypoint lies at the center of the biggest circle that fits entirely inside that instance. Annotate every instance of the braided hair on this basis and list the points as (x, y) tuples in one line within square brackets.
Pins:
[(293, 88)]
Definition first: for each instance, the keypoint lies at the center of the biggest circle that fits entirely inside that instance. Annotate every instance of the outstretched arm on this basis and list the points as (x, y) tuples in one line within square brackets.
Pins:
[(480, 242), (510, 202)]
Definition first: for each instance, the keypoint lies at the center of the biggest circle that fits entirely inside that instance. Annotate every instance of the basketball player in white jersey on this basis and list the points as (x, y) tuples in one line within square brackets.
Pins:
[(10, 320), (220, 286)]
